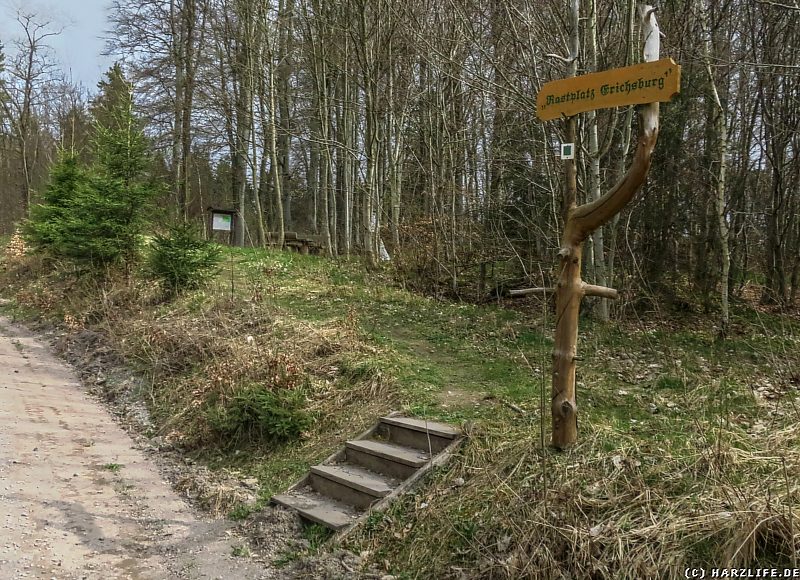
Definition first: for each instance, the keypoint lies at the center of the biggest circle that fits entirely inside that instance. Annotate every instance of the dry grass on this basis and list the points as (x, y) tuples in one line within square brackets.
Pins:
[(506, 510), (16, 247), (712, 479), (217, 493), (206, 346)]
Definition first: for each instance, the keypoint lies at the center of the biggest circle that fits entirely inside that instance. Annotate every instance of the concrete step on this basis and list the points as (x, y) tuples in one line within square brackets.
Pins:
[(386, 458), (350, 484), (318, 508), (417, 433)]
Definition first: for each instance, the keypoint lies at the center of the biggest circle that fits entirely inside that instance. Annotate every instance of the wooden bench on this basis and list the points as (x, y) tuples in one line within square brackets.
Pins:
[(292, 241)]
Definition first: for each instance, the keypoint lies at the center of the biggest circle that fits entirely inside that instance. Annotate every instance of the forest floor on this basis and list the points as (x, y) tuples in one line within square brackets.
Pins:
[(689, 451)]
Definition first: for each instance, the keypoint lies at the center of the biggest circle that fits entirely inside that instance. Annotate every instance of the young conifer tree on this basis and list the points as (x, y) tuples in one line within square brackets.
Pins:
[(119, 187), (96, 215), (46, 229)]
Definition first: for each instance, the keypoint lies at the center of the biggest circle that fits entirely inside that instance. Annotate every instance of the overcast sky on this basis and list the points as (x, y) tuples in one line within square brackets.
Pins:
[(77, 49)]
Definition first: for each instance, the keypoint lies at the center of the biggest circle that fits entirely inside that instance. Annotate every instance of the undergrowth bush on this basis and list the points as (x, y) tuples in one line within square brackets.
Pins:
[(475, 270), (182, 259), (255, 413)]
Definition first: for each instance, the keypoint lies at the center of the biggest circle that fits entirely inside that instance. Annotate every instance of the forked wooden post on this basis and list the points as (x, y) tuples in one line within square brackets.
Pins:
[(581, 221)]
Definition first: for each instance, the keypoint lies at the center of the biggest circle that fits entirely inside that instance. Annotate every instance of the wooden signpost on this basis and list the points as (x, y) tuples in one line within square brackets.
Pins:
[(647, 84)]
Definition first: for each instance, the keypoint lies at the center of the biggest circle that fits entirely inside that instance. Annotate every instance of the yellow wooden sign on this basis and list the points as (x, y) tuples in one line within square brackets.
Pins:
[(647, 82)]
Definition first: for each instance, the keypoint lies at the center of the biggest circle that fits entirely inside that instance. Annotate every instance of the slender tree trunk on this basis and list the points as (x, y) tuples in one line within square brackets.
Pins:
[(188, 63), (256, 165), (721, 130), (625, 146), (277, 178), (349, 107), (568, 293), (244, 37), (369, 206), (314, 164), (177, 31), (285, 35), (598, 245)]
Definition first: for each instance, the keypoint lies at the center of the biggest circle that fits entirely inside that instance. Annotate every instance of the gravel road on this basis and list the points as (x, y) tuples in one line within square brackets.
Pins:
[(78, 499)]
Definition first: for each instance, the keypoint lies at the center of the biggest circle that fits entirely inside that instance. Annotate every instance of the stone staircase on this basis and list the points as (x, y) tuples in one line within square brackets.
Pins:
[(370, 471)]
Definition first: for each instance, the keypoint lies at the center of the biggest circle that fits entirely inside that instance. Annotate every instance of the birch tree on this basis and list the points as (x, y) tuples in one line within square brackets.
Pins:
[(720, 122)]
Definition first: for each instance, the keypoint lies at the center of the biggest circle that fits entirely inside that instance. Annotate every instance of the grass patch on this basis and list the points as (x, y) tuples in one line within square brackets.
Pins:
[(316, 536), (255, 414), (241, 511), (689, 450)]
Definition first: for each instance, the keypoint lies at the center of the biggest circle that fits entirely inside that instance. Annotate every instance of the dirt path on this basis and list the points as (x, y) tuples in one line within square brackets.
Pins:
[(77, 499)]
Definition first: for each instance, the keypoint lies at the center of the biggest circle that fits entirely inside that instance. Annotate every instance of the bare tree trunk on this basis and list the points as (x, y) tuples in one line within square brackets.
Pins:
[(349, 105), (244, 37), (568, 293), (177, 31), (318, 30), (370, 195), (325, 166), (277, 178), (720, 198), (29, 68), (283, 73), (625, 145), (395, 144), (187, 34), (256, 166), (314, 165), (598, 244)]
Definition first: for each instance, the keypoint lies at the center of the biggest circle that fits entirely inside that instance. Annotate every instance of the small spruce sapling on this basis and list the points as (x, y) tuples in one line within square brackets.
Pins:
[(182, 259)]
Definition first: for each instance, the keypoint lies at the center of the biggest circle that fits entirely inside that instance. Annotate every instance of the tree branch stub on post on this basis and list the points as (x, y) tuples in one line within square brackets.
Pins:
[(580, 222)]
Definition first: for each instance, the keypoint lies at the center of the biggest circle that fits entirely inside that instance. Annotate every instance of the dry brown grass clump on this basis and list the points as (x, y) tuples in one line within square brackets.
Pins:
[(506, 511), (205, 354)]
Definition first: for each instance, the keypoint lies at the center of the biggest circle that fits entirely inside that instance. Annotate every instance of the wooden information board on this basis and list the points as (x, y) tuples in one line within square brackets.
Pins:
[(647, 82)]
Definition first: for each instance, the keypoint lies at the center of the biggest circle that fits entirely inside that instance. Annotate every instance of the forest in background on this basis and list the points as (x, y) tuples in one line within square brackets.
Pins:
[(412, 125)]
